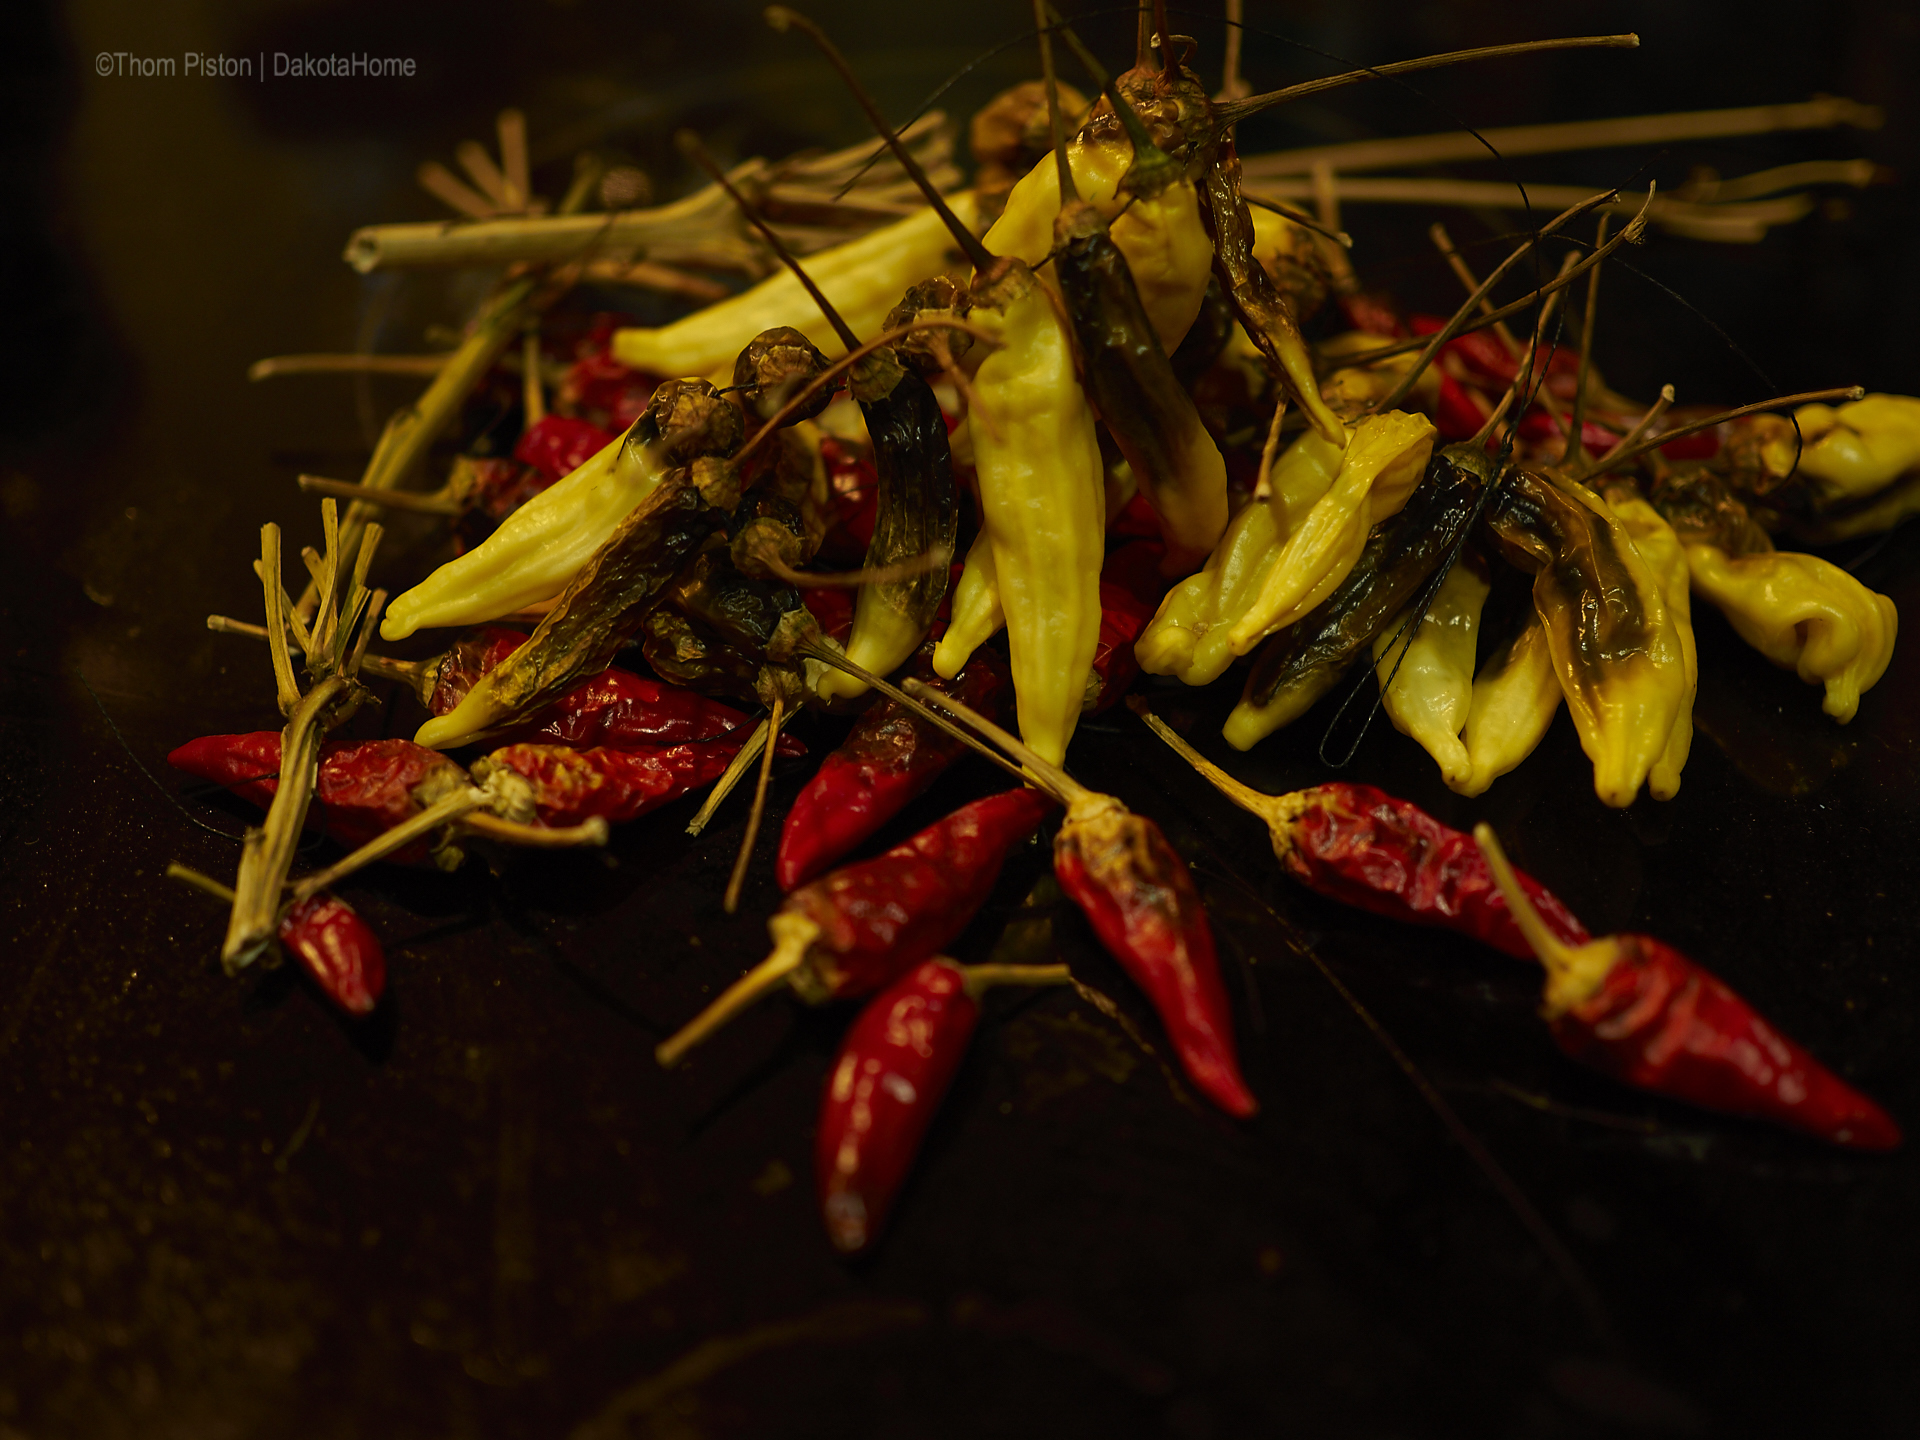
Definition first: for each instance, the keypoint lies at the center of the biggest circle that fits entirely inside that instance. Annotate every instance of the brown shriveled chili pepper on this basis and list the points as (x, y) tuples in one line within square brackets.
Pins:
[(860, 927), (889, 759), (338, 949), (1140, 898), (894, 1068), (1364, 848), (1637, 1009)]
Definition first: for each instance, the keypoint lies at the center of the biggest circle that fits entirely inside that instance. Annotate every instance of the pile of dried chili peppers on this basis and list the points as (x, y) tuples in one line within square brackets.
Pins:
[(1084, 434)]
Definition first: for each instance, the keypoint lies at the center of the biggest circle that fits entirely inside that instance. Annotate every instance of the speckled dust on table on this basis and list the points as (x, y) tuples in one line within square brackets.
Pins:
[(486, 1212)]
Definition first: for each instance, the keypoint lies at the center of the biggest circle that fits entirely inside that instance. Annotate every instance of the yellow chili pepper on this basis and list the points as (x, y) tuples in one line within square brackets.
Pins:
[(1351, 389), (1041, 495), (1166, 245), (1426, 680), (863, 278), (977, 613), (1660, 547), (1381, 464), (538, 548), (1855, 449), (1191, 635), (1804, 615), (1515, 696)]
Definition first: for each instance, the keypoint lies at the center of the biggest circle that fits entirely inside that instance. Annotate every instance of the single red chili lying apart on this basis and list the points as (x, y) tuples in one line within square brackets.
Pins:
[(861, 926), (894, 1068), (339, 950), (892, 755), (1637, 1009), (1140, 898), (1364, 848)]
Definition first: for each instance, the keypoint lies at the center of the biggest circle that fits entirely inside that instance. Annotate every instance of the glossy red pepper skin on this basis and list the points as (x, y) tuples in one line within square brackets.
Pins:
[(1663, 1023), (558, 445), (572, 786), (889, 759), (1139, 896), (895, 1066), (880, 917), (338, 949), (365, 787), (1365, 848)]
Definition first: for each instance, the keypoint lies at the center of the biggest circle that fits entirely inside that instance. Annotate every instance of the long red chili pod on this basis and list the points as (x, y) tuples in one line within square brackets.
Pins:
[(861, 926), (1365, 848), (365, 787), (894, 1068), (1140, 898), (570, 787), (889, 759), (338, 949), (1635, 1008)]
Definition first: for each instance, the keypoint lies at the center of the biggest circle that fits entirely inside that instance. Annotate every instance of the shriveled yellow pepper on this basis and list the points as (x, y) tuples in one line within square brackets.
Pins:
[(977, 613), (538, 548), (1381, 464), (1804, 615), (1426, 680), (1660, 547), (1042, 498), (1191, 635), (863, 278), (1854, 449), (1515, 696), (1166, 245)]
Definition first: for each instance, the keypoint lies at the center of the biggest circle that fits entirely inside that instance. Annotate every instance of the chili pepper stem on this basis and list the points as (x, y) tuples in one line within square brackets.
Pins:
[(441, 812), (1271, 808), (984, 977), (729, 778), (1050, 777), (1573, 971), (793, 936), (419, 675), (418, 502), (911, 698), (177, 871), (591, 831), (1624, 452), (731, 901)]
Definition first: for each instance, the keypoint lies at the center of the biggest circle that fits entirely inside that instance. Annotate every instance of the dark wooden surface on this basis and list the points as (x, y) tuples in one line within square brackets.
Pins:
[(225, 1211)]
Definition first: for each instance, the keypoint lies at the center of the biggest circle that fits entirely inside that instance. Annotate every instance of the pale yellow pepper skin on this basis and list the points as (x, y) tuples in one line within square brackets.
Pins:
[(1191, 634), (1804, 615), (977, 614), (864, 279), (1426, 682), (1042, 496), (1654, 538), (1383, 460), (1248, 724), (1166, 245), (1854, 449), (1515, 697), (538, 548)]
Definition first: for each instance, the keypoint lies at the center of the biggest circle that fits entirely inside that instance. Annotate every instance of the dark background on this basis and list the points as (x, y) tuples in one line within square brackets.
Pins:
[(224, 1211)]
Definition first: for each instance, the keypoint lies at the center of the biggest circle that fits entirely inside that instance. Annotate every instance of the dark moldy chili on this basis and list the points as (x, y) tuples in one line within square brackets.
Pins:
[(1635, 1008), (859, 927)]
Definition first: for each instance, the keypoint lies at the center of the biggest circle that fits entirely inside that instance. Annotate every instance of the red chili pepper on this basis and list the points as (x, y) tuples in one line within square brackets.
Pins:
[(339, 950), (1135, 519), (1458, 413), (600, 389), (862, 926), (894, 1068), (889, 759), (832, 609), (855, 496), (365, 787), (1130, 591), (501, 486), (471, 656), (1365, 848), (572, 786), (558, 445), (1635, 1008)]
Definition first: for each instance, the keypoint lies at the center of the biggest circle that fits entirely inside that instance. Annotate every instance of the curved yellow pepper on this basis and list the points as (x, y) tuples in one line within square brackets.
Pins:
[(1660, 547), (1804, 615), (1854, 449), (1191, 634), (1515, 696), (538, 548), (1166, 245), (1426, 682), (1042, 497), (977, 613), (864, 279), (1383, 460)]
